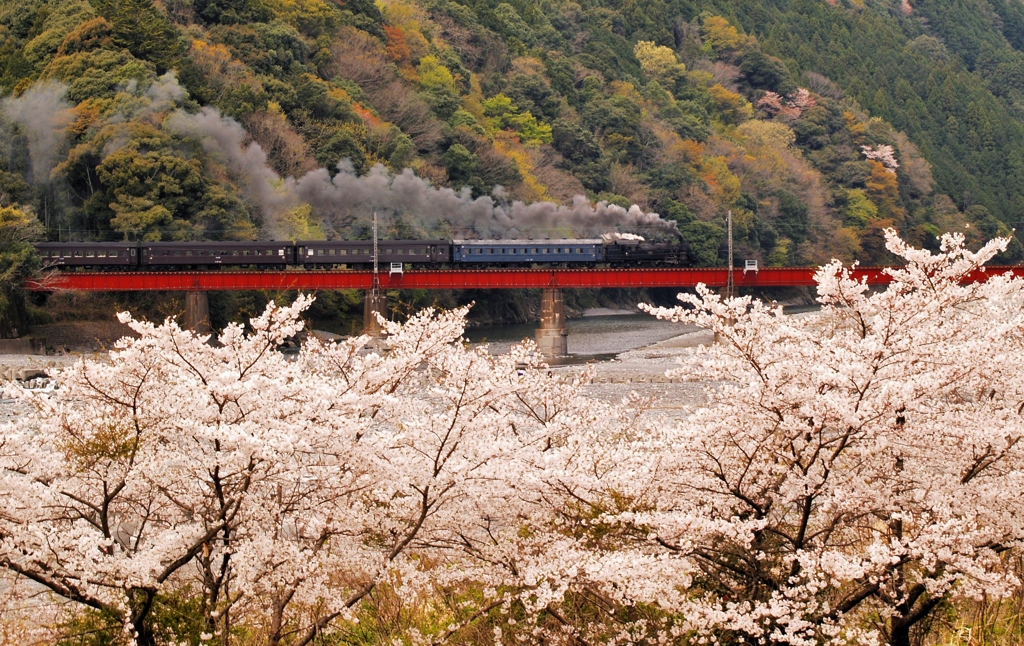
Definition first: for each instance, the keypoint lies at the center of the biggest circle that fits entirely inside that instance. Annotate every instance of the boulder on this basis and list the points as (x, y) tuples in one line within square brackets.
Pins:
[(25, 374)]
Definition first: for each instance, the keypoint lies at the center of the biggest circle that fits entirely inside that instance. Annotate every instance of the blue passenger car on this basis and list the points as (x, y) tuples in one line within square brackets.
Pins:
[(527, 251)]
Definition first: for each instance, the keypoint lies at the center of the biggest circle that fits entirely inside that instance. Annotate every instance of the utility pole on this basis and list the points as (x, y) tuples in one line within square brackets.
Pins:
[(376, 280), (374, 302), (731, 285)]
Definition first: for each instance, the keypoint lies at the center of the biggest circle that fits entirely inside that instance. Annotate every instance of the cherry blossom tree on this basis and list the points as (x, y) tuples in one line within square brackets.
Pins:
[(801, 100), (771, 103), (884, 155), (281, 490), (853, 469), (795, 105)]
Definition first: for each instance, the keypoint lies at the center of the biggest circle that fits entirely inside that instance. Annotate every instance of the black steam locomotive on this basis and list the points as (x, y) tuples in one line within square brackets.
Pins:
[(616, 250)]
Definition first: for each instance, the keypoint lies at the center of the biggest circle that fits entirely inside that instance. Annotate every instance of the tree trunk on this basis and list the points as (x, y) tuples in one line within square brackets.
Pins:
[(144, 633), (899, 634), (13, 315), (142, 602)]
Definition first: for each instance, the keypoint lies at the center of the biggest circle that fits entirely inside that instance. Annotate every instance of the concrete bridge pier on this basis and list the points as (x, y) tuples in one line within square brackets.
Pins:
[(197, 313), (552, 335), (373, 303)]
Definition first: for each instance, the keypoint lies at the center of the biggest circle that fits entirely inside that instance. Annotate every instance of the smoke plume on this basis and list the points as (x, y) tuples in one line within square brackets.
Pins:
[(342, 201), (347, 198), (164, 93), (224, 139), (42, 114)]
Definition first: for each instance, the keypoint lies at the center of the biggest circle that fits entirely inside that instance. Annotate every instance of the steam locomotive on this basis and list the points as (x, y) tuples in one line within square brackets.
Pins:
[(616, 250)]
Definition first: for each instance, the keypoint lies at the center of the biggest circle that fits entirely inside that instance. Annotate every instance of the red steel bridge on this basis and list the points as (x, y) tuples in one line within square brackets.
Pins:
[(551, 335), (197, 281)]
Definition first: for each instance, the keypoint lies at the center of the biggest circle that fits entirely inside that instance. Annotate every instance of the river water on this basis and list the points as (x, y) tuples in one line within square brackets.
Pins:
[(591, 338), (596, 337)]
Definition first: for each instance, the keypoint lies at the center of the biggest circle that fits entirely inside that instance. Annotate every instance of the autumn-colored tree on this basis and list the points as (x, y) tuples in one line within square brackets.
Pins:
[(767, 134), (285, 148), (398, 50), (721, 35), (883, 191), (722, 184), (658, 62), (732, 106)]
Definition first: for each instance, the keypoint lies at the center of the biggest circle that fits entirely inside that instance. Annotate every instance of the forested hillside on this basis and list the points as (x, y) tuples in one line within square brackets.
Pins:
[(818, 123)]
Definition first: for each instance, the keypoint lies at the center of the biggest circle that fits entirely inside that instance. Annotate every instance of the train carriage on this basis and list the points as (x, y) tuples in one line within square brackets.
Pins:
[(322, 254), (617, 250), (580, 251), (165, 255), (93, 255)]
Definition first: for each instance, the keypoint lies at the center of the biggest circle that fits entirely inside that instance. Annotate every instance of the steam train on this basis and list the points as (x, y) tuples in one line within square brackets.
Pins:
[(615, 250)]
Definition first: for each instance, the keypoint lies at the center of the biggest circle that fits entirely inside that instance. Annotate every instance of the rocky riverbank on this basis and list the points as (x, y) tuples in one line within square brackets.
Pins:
[(22, 367)]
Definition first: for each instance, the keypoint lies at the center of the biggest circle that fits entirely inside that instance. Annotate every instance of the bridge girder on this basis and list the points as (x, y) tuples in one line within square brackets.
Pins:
[(442, 279)]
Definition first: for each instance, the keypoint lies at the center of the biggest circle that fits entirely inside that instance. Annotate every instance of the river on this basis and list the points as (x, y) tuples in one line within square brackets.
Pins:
[(591, 338)]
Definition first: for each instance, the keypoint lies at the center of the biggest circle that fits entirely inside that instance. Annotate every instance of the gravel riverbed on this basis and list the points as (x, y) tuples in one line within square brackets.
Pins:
[(642, 370), (11, 409), (629, 352)]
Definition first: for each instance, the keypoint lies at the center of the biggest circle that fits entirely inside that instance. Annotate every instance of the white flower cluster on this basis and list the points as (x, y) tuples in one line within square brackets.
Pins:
[(884, 154), (791, 107)]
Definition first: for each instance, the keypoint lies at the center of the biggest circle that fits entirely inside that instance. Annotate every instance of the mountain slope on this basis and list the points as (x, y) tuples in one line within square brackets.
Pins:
[(816, 124)]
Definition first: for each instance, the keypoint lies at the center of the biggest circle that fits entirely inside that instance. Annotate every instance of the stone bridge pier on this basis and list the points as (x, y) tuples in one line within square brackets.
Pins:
[(197, 313), (552, 336), (374, 303)]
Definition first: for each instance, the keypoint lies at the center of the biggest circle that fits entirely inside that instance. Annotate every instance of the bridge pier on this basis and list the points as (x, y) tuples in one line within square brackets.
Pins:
[(373, 304), (197, 313), (552, 336)]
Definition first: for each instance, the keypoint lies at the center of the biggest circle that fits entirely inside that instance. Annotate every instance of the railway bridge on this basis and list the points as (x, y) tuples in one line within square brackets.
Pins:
[(551, 335)]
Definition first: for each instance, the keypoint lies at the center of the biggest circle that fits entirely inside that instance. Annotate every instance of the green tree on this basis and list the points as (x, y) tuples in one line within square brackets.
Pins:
[(705, 240), (860, 210), (143, 30), (433, 74), (510, 23), (766, 72), (231, 12), (793, 219), (462, 165), (507, 116), (530, 92), (18, 261), (140, 182)]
